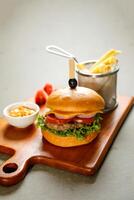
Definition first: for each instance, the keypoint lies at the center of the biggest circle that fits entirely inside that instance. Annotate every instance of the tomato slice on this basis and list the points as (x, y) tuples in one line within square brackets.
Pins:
[(54, 120)]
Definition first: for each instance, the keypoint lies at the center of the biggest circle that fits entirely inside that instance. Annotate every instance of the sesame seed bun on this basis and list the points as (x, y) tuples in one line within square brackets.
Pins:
[(77, 100), (67, 141)]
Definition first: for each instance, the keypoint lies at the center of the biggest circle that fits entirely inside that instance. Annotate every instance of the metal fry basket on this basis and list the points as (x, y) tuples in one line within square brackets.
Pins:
[(104, 84)]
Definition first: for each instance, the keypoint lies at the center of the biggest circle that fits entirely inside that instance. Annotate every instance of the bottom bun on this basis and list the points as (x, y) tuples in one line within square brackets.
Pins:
[(67, 141)]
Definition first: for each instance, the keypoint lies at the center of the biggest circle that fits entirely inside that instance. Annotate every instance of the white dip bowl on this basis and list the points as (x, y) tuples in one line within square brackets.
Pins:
[(24, 121)]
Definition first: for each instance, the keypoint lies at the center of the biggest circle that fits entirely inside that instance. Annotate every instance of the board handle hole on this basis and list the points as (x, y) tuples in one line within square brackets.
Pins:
[(10, 167)]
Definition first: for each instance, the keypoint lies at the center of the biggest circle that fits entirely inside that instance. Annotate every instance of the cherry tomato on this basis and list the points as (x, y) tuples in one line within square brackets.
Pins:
[(48, 88), (40, 97)]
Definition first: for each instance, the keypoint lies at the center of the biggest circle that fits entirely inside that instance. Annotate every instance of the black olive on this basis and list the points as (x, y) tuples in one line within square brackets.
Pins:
[(72, 83)]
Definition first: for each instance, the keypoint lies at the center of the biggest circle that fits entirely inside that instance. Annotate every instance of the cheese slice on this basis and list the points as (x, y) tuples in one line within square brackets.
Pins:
[(67, 115)]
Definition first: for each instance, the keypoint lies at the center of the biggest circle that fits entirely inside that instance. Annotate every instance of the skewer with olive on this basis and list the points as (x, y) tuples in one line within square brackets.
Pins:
[(72, 81)]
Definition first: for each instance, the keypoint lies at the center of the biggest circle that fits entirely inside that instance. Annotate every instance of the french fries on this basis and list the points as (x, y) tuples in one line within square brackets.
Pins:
[(105, 63), (80, 66), (103, 68)]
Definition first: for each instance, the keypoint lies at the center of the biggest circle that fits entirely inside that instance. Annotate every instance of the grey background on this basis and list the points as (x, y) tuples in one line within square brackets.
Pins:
[(87, 29)]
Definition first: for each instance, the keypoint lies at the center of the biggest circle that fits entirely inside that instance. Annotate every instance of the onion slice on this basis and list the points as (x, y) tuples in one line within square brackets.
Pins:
[(86, 116), (63, 117)]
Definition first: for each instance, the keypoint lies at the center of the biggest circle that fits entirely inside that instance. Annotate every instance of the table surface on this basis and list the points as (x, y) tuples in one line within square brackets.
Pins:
[(87, 29)]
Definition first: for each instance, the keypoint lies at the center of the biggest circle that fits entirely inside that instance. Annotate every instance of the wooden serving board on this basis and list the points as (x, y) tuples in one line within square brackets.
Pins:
[(27, 147)]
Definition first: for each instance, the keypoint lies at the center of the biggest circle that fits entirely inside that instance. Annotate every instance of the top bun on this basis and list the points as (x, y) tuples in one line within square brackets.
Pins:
[(76, 100)]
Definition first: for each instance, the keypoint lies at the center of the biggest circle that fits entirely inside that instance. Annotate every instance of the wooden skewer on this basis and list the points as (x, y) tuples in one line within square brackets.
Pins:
[(71, 69), (72, 81)]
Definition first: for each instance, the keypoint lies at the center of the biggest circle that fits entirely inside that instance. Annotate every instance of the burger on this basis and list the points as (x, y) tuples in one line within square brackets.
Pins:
[(73, 117)]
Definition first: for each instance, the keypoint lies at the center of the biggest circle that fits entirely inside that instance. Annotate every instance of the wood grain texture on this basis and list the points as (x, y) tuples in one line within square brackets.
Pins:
[(27, 147)]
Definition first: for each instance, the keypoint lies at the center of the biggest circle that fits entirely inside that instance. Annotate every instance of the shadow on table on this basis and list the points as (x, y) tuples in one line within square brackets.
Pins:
[(10, 189), (66, 176), (7, 190)]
